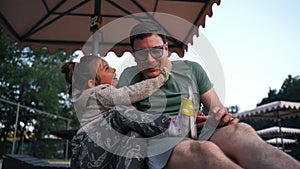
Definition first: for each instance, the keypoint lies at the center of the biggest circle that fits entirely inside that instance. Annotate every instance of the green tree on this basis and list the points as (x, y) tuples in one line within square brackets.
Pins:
[(233, 109), (289, 91), (32, 79)]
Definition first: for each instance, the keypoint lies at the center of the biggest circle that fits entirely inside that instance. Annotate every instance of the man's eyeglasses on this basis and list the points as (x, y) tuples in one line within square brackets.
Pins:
[(155, 52)]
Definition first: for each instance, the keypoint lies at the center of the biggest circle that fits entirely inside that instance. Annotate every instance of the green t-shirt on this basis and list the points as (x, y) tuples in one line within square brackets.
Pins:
[(168, 98)]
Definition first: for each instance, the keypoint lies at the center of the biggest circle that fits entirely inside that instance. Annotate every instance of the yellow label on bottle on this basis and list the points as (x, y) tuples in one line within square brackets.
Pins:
[(186, 107)]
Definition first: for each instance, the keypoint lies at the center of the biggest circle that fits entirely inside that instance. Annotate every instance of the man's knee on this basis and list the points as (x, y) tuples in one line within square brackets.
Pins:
[(246, 128), (194, 153), (235, 131), (244, 132), (189, 149)]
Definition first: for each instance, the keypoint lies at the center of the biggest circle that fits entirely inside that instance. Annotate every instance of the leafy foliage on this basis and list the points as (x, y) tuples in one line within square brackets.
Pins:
[(233, 109), (33, 80), (289, 91)]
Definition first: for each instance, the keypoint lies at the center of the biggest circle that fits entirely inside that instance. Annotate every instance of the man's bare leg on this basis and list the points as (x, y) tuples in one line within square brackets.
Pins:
[(199, 154), (241, 143)]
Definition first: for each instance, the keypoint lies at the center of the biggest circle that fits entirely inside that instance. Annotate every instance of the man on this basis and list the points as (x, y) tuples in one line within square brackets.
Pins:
[(233, 144)]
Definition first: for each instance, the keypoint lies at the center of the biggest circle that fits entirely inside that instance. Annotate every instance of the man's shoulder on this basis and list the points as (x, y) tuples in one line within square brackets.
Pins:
[(131, 69), (130, 72), (188, 62), (186, 65), (129, 76)]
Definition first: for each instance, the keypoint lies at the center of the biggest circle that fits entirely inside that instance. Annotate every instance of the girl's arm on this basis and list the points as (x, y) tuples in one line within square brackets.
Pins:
[(110, 96)]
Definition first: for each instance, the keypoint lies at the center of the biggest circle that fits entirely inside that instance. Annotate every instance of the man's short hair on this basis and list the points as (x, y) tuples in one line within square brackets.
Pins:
[(146, 29)]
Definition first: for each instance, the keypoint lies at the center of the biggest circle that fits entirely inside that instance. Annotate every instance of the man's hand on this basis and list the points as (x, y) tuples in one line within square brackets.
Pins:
[(222, 115), (200, 119), (219, 114)]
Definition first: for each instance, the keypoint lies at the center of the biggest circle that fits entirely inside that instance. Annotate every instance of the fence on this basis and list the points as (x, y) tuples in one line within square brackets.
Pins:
[(26, 141)]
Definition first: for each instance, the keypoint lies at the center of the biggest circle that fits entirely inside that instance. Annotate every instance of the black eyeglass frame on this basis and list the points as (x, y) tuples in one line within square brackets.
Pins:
[(145, 52)]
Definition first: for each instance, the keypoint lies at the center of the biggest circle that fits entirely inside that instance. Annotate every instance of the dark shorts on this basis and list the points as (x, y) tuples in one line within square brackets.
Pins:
[(160, 150)]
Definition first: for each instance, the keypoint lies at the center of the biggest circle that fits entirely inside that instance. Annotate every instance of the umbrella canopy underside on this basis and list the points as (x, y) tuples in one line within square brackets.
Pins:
[(65, 24), (272, 111)]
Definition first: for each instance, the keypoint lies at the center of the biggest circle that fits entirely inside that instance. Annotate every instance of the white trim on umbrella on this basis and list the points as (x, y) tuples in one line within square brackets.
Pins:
[(275, 130), (278, 141)]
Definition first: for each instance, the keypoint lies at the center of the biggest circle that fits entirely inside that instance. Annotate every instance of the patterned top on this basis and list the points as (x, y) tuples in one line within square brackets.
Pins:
[(106, 138), (94, 102)]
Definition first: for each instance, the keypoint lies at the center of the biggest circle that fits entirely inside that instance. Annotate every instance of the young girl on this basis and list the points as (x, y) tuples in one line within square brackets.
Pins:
[(104, 121)]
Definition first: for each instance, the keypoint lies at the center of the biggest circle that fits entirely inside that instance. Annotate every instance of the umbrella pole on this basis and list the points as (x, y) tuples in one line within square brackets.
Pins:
[(95, 49), (281, 135), (280, 131), (95, 25)]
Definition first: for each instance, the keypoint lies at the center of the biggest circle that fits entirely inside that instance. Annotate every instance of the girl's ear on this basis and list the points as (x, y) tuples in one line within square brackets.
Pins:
[(91, 83), (167, 46)]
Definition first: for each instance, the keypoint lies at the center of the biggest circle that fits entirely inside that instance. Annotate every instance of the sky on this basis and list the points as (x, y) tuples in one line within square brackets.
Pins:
[(256, 43)]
